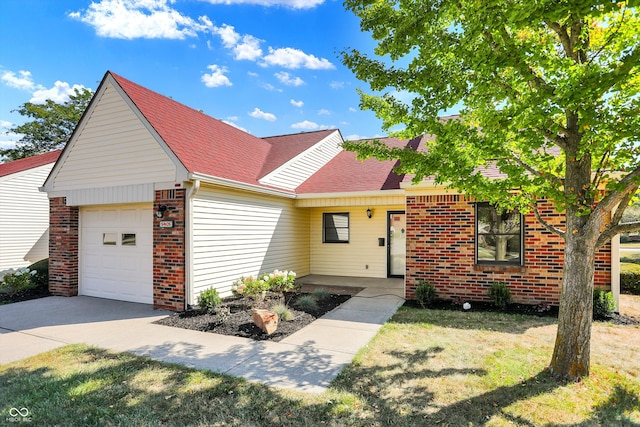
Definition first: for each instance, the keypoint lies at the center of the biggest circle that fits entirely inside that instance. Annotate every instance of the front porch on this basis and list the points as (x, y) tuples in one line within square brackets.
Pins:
[(372, 286)]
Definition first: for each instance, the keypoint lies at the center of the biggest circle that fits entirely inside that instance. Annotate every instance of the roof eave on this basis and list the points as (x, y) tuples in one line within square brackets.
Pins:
[(240, 185)]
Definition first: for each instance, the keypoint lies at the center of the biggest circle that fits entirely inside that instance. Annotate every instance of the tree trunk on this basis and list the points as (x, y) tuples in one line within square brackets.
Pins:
[(572, 352)]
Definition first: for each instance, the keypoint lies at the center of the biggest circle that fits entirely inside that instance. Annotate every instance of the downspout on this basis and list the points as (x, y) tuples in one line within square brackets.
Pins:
[(188, 225)]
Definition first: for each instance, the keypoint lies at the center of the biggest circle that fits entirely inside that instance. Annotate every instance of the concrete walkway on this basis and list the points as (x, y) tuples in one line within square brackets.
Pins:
[(306, 361)]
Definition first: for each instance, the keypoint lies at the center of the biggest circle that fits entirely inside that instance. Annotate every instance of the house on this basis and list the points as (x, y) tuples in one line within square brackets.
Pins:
[(154, 202), (24, 211)]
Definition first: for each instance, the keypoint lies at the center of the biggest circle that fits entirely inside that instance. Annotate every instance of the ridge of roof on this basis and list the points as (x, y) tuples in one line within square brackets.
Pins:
[(286, 147), (27, 163), (202, 143), (344, 173)]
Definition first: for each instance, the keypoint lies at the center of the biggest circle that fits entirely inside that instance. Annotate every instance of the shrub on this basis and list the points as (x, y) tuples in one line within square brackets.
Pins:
[(320, 294), (425, 293), (281, 281), (18, 281), (41, 278), (306, 303), (629, 278), (282, 311), (603, 304), (500, 294), (208, 300), (249, 286)]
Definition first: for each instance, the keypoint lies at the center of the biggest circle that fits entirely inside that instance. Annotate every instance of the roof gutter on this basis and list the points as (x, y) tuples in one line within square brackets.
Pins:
[(194, 176)]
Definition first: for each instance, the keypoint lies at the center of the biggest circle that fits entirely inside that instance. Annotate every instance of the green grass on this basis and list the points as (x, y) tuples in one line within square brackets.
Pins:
[(424, 367)]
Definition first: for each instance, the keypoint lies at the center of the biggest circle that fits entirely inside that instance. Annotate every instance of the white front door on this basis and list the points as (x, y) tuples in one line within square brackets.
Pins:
[(116, 252)]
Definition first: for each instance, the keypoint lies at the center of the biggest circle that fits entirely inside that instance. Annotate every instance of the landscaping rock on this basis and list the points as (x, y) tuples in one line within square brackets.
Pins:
[(266, 320)]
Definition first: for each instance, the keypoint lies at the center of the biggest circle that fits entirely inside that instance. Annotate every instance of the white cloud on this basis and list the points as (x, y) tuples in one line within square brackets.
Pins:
[(7, 139), (306, 124), (249, 49), (131, 19), (252, 74), (324, 112), (289, 57), (288, 80), (217, 77), (294, 4), (259, 114), (352, 110), (296, 103), (228, 35), (235, 125), (59, 93), (336, 85), (22, 81)]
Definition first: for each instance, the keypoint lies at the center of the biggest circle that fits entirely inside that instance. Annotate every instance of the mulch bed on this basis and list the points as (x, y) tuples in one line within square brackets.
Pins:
[(532, 310), (239, 321), (24, 296)]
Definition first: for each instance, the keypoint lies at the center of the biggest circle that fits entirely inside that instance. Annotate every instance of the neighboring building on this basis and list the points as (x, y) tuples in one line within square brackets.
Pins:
[(24, 210), (154, 202)]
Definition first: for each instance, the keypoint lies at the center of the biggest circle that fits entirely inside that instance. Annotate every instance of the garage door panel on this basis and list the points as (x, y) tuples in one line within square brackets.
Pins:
[(122, 270)]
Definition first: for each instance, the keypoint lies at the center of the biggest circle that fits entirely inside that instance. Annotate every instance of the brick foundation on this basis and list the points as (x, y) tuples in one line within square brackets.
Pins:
[(440, 250), (169, 273), (63, 248)]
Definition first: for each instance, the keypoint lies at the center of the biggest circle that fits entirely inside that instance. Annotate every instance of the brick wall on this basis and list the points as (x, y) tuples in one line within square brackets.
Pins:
[(440, 250), (169, 251), (63, 247)]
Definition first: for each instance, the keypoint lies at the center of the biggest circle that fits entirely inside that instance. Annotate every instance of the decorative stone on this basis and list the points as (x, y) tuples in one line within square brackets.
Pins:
[(266, 320)]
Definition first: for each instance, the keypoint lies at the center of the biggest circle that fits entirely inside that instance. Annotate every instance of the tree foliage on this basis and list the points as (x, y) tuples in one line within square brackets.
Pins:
[(549, 95), (50, 125)]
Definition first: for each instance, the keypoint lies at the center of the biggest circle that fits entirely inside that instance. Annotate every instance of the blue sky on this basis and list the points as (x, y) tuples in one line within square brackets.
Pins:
[(270, 67)]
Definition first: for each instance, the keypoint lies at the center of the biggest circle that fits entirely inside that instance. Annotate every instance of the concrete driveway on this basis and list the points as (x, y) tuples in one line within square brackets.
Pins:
[(307, 360)]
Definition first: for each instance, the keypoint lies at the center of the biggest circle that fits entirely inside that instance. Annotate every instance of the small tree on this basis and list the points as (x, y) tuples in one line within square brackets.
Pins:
[(50, 126), (550, 97)]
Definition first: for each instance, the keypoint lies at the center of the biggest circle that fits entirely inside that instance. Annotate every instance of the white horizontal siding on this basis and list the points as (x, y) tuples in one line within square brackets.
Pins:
[(361, 257), (240, 234), (300, 168), (113, 148), (137, 193), (390, 200), (24, 218)]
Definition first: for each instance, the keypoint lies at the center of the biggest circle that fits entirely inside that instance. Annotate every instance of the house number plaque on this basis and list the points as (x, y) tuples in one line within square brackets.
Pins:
[(166, 224)]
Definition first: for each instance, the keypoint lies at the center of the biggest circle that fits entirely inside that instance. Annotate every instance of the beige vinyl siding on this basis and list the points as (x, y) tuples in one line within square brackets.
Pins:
[(369, 201), (361, 257), (241, 234), (300, 168), (114, 148), (24, 218)]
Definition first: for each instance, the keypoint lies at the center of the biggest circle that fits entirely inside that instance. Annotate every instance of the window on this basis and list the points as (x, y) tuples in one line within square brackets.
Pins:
[(498, 236), (335, 227), (128, 239), (109, 239)]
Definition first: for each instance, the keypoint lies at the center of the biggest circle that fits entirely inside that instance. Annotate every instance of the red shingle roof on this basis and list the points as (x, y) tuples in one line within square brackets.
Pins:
[(28, 163), (345, 173), (286, 147), (203, 144)]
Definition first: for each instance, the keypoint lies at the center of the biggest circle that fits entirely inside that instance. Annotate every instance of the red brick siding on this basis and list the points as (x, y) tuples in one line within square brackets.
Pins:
[(63, 247), (440, 250), (169, 274)]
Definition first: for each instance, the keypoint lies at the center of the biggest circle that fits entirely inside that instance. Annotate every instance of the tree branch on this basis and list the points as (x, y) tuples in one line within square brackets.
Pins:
[(617, 216), (545, 224), (608, 234), (549, 177)]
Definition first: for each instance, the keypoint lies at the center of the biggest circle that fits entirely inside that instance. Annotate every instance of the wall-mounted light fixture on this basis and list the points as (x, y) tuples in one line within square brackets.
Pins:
[(161, 210), (369, 213)]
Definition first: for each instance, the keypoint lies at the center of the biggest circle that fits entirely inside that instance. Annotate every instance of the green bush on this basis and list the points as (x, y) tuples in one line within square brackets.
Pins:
[(629, 278), (306, 303), (19, 281), (604, 305), (282, 311), (320, 294), (41, 278), (500, 294), (208, 300), (425, 293)]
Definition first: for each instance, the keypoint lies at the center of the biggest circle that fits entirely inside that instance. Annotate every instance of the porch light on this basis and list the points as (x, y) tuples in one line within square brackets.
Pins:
[(161, 210), (369, 213)]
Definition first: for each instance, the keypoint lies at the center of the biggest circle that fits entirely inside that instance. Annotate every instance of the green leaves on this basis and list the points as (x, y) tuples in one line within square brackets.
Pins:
[(50, 126)]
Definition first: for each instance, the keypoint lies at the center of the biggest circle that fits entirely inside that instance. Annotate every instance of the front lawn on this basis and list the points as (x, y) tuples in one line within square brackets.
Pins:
[(425, 367)]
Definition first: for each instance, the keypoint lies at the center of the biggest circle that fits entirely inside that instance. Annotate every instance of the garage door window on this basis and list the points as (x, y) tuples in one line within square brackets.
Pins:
[(128, 239), (109, 239)]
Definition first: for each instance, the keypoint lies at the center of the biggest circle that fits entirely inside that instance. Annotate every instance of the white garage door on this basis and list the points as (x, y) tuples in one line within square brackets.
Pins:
[(116, 252)]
